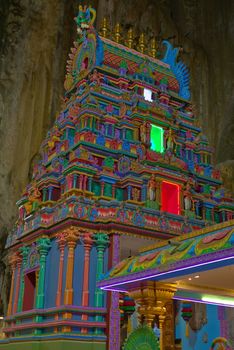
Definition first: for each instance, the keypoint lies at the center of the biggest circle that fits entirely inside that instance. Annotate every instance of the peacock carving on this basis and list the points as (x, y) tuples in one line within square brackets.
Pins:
[(142, 338)]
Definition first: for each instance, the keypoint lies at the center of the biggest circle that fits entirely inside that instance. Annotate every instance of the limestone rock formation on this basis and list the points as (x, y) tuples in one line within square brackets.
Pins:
[(35, 40)]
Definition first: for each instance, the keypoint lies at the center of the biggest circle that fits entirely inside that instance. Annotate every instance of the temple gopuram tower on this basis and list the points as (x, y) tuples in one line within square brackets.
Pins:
[(124, 166)]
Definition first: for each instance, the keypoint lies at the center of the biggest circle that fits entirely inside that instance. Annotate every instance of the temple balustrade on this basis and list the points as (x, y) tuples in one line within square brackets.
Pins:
[(52, 319)]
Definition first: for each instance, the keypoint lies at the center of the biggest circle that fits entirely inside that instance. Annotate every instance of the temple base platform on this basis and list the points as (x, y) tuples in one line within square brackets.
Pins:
[(55, 344)]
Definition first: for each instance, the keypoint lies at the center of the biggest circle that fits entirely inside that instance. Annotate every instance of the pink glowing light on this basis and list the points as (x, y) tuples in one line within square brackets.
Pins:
[(170, 197)]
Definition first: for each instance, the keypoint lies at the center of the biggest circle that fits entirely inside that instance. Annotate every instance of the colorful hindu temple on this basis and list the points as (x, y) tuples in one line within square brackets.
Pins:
[(125, 212)]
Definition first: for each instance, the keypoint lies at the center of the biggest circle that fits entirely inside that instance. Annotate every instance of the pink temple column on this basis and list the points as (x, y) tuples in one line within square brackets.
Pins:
[(17, 288), (69, 181), (85, 183), (81, 182), (61, 239), (72, 236), (102, 188), (88, 242), (12, 262), (114, 314), (113, 190)]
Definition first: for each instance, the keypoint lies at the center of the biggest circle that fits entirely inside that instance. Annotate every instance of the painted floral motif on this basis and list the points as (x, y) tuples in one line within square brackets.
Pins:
[(213, 242), (146, 261)]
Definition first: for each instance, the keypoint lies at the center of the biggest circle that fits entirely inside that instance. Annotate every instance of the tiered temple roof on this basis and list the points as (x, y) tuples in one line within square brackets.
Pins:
[(127, 127)]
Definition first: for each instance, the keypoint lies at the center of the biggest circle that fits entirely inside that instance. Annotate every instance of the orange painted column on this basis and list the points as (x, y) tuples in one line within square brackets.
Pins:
[(61, 239), (71, 238), (88, 242), (18, 277), (12, 261)]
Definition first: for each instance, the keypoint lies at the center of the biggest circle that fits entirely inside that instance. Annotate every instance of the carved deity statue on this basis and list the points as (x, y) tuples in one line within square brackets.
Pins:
[(73, 111), (34, 197), (55, 137), (145, 132), (170, 141), (34, 194), (95, 77), (152, 188), (135, 194), (187, 197), (122, 110)]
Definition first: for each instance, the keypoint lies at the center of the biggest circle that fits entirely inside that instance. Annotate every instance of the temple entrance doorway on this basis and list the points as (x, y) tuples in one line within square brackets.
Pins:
[(30, 287)]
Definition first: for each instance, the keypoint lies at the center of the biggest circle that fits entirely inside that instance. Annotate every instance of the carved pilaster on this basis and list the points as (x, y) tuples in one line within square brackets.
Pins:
[(114, 314), (12, 263), (101, 241), (17, 288), (61, 240), (88, 243), (24, 252), (43, 247), (72, 236)]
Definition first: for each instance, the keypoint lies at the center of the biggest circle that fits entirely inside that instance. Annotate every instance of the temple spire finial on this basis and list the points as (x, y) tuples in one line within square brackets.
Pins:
[(141, 43), (117, 33), (153, 48), (130, 38), (104, 30)]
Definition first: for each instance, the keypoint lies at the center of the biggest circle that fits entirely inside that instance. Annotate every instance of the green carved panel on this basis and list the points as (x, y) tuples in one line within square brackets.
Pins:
[(119, 194), (109, 162), (152, 204), (129, 134), (96, 189), (108, 190), (217, 219), (72, 132)]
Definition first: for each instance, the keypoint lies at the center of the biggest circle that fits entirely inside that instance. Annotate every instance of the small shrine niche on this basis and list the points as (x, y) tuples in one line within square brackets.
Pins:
[(85, 63), (148, 95)]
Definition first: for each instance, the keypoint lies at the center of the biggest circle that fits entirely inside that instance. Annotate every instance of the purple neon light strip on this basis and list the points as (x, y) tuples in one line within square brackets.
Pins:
[(193, 300), (166, 273), (115, 290)]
